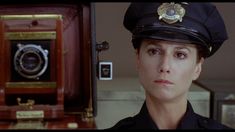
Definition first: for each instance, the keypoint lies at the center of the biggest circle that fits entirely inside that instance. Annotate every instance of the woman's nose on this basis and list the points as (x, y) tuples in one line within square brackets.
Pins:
[(164, 65), (164, 71)]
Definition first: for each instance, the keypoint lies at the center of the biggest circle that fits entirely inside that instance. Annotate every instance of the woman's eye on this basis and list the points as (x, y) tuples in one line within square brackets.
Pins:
[(181, 55), (153, 51)]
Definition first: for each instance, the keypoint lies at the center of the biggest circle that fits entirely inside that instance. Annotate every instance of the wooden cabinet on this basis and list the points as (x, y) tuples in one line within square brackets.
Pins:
[(47, 65)]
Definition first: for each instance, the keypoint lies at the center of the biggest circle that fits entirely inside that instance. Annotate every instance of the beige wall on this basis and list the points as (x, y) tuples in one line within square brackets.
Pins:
[(125, 85), (109, 17)]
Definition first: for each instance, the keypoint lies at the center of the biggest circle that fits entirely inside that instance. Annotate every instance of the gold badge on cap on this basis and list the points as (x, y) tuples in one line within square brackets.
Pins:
[(171, 12)]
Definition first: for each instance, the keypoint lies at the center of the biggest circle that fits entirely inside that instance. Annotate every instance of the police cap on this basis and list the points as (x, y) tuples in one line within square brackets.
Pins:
[(195, 23)]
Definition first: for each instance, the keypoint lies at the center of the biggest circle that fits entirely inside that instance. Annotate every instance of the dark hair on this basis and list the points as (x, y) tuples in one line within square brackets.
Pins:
[(201, 52)]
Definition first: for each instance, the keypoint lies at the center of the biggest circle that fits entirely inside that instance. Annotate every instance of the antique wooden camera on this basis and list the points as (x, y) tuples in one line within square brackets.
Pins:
[(47, 62), (32, 73)]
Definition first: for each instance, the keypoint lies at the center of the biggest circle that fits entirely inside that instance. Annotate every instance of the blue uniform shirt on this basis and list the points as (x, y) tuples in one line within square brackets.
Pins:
[(191, 120)]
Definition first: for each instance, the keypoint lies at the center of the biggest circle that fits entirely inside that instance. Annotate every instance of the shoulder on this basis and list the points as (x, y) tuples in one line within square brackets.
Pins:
[(126, 123), (208, 123)]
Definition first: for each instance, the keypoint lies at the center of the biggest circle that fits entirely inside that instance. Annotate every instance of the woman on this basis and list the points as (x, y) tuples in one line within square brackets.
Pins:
[(171, 41)]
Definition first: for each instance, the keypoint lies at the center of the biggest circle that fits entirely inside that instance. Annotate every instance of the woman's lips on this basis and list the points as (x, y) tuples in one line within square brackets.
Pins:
[(162, 81)]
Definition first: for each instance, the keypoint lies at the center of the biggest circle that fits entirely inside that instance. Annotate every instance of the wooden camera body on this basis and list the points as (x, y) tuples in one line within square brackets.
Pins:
[(47, 62)]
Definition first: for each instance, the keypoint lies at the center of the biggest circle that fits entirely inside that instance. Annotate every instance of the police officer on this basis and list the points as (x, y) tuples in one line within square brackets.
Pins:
[(172, 40)]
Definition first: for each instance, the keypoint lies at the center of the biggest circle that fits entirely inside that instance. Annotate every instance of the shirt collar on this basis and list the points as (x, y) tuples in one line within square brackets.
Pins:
[(144, 120), (189, 120)]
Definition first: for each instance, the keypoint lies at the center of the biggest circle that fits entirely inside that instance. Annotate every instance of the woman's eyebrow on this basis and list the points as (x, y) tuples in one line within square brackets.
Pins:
[(155, 43), (183, 48)]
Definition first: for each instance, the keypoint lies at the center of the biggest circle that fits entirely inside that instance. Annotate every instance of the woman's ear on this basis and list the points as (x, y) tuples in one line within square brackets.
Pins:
[(198, 69)]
